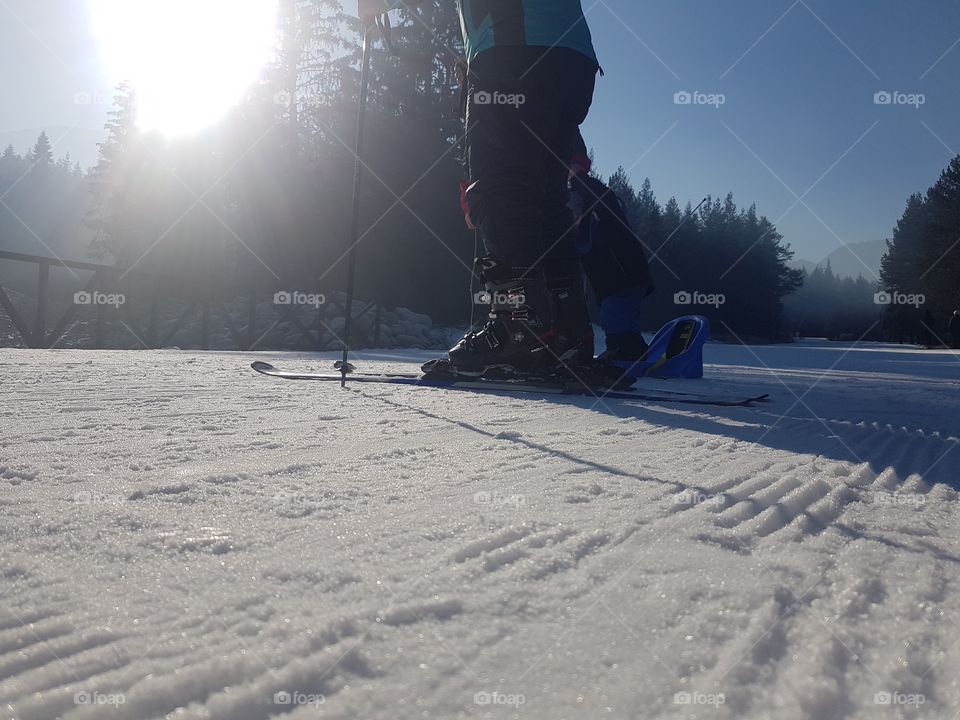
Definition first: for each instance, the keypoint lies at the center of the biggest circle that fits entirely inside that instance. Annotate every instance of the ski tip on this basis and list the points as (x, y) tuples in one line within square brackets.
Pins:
[(262, 367)]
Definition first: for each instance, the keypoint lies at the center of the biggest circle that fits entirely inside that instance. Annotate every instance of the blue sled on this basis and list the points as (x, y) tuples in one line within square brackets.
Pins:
[(676, 351)]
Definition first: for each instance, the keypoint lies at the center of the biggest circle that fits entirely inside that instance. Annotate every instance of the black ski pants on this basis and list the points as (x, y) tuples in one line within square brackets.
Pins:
[(524, 109)]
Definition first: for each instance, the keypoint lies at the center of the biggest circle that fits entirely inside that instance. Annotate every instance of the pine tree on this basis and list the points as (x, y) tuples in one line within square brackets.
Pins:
[(923, 257), (109, 179), (902, 264), (41, 158), (672, 217), (11, 169), (648, 217), (941, 258), (620, 183)]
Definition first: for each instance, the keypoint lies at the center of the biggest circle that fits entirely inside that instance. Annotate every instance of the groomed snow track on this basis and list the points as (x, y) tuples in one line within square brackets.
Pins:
[(182, 538)]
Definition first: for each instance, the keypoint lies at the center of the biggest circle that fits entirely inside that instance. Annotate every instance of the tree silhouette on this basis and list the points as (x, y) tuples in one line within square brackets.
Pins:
[(41, 157), (923, 256)]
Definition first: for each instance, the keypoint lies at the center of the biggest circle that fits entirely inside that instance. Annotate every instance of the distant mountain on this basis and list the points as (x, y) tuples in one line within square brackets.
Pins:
[(802, 264), (861, 258)]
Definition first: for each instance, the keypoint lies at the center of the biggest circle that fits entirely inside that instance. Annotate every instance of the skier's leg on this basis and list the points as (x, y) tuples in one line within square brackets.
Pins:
[(607, 260), (615, 263), (506, 165), (508, 110), (572, 77), (620, 319)]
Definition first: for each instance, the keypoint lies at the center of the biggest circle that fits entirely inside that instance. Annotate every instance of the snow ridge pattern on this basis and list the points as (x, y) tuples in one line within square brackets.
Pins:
[(183, 538)]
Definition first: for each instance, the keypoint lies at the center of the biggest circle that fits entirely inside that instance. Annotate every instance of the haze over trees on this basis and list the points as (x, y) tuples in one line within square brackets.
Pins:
[(42, 204), (835, 307), (919, 273)]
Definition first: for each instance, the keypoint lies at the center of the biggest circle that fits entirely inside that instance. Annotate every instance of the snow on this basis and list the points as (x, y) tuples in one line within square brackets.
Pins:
[(183, 538)]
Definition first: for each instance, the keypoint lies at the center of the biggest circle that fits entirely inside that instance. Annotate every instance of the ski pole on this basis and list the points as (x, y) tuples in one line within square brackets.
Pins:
[(344, 365)]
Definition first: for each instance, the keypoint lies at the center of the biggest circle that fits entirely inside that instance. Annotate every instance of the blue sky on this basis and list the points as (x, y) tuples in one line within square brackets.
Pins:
[(798, 80)]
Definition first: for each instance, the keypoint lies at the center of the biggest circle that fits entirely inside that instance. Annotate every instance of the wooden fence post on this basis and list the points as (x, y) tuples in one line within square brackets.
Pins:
[(205, 325), (100, 339), (40, 321), (154, 315), (252, 319)]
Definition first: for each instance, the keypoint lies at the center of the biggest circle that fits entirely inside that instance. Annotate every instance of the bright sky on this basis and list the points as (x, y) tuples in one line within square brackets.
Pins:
[(798, 79)]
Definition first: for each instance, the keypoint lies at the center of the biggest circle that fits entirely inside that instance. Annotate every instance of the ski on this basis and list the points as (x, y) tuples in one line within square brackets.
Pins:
[(634, 392), (481, 384)]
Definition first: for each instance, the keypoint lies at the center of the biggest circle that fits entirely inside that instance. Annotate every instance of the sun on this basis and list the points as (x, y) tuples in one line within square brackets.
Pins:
[(189, 61)]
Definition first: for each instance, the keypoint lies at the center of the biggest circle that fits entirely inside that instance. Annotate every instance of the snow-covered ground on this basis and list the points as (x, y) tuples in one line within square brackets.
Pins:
[(180, 537)]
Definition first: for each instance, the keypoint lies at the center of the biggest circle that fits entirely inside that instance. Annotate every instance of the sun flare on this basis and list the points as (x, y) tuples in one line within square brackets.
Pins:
[(189, 61)]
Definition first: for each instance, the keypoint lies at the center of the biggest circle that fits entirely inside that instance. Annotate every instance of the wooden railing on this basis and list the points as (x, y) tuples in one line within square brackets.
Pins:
[(105, 279)]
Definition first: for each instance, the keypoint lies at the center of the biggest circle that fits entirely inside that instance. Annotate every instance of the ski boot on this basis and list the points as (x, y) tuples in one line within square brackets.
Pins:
[(518, 337), (522, 338)]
